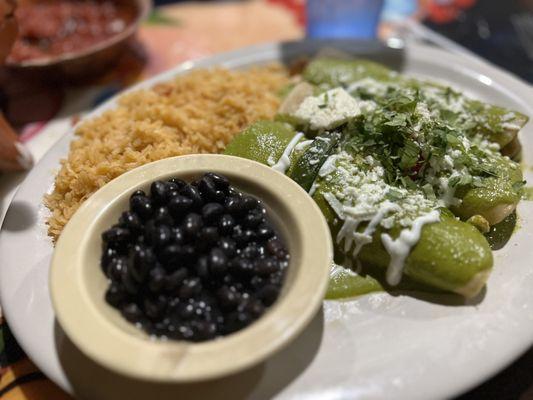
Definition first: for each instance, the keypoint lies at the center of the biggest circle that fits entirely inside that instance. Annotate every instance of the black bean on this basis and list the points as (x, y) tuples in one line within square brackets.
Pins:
[(175, 279), (178, 182), (132, 312), (187, 253), (171, 254), (238, 235), (145, 324), (226, 224), (234, 205), (138, 193), (219, 196), (179, 205), (242, 266), (131, 221), (142, 206), (220, 181), (274, 246), (207, 188), (159, 192), (149, 231), (268, 294), (276, 278), (237, 320), (162, 217), (249, 203), (153, 308), (266, 266), (202, 267), (183, 312), (172, 302), (129, 283), (228, 299), (201, 309), (160, 328), (248, 236), (116, 235), (253, 218), (160, 235), (237, 286), (218, 262), (212, 211), (108, 254), (156, 279), (228, 246), (242, 237), (257, 282), (141, 260), (172, 187), (114, 268), (264, 231), (190, 288), (208, 235), (115, 295), (192, 224), (255, 308), (204, 330), (250, 251), (178, 236), (185, 332), (192, 193)]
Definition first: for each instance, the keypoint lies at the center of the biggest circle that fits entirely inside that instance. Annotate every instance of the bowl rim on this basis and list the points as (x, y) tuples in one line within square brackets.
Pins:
[(176, 361), (142, 8)]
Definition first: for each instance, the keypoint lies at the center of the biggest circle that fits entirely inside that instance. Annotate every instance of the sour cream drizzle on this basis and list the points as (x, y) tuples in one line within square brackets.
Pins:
[(284, 161), (348, 232), (400, 247)]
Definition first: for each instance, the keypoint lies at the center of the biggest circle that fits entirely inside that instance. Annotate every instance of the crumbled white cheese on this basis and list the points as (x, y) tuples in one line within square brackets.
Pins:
[(362, 203), (328, 166), (510, 126), (303, 145), (370, 85), (328, 109)]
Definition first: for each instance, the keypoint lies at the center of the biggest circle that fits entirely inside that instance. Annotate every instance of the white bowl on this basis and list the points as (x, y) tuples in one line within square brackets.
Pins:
[(77, 284)]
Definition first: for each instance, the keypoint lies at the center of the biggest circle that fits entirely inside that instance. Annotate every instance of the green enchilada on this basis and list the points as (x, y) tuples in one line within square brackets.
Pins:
[(408, 173)]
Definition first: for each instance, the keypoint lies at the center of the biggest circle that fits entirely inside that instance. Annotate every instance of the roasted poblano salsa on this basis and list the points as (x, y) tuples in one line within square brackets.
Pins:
[(409, 174)]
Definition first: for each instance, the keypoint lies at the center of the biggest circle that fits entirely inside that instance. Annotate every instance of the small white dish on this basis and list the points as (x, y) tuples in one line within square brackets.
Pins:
[(77, 284)]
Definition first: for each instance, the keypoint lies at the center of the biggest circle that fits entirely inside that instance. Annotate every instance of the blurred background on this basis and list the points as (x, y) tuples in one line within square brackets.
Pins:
[(69, 55)]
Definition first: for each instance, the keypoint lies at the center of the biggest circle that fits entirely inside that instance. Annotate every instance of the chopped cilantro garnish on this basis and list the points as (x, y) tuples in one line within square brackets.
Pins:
[(409, 155)]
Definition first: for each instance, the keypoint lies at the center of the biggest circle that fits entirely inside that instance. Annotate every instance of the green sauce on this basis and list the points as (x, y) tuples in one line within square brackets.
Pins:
[(345, 284), (528, 193), (499, 234)]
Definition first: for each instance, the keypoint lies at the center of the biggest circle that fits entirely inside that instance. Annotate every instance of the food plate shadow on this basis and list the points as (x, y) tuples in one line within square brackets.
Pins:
[(443, 299), (89, 380), (20, 217), (8, 184), (292, 52)]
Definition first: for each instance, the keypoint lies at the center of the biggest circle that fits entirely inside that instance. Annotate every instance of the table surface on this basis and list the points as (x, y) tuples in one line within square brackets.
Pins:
[(182, 25)]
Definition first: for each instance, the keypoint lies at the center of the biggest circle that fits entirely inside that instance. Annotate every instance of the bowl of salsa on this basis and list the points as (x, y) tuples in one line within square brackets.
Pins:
[(73, 38)]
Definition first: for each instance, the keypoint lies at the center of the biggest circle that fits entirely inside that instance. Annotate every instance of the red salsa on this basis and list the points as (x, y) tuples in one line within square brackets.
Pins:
[(51, 28)]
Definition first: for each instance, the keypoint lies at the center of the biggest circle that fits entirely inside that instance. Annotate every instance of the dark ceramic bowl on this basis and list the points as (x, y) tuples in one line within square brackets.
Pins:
[(89, 62)]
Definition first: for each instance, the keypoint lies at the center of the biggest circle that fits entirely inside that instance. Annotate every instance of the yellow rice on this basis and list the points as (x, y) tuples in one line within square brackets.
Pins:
[(196, 113)]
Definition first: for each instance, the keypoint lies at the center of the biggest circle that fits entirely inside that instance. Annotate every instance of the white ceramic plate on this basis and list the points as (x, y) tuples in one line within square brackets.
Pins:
[(376, 346)]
